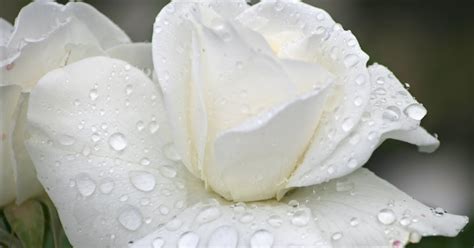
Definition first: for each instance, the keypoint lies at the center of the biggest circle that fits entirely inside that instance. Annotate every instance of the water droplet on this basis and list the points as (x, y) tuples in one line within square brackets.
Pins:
[(301, 217), (128, 89), (293, 203), (380, 81), (372, 136), (351, 60), (261, 239), (140, 125), (95, 137), (336, 236), (158, 243), (360, 79), (107, 186), (415, 111), (85, 185), (352, 163), (145, 161), (386, 216), (171, 153), (142, 180), (279, 6), (117, 141), (224, 236), (354, 221), (358, 101), (438, 211), (246, 218), (405, 221), (66, 140), (167, 171), (414, 237), (164, 210), (93, 94), (131, 218), (347, 124), (208, 214), (391, 113), (275, 221), (188, 240), (154, 127), (380, 91)]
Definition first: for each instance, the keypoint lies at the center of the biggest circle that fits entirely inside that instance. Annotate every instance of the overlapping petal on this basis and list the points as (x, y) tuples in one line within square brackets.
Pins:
[(392, 113)]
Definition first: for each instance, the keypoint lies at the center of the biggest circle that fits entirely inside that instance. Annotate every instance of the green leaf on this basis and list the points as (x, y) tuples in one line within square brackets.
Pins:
[(27, 222), (54, 227)]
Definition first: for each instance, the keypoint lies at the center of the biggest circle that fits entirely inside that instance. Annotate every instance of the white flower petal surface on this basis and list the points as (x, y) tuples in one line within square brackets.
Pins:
[(137, 54), (174, 54), (9, 98), (301, 32), (101, 146), (362, 210), (48, 35), (5, 31), (27, 184), (392, 113)]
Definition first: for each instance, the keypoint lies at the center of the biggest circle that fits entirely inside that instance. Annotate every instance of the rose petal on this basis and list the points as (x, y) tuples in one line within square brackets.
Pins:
[(362, 210), (5, 31), (309, 34), (137, 54), (101, 147), (9, 97), (264, 159), (392, 113)]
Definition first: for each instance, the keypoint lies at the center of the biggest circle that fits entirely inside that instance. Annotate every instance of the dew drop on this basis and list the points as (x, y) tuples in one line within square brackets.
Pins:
[(85, 185), (131, 219), (358, 101), (140, 125), (188, 240), (117, 142), (208, 214), (336, 236), (405, 221), (164, 210), (261, 239), (145, 161), (415, 111), (95, 137), (107, 186), (128, 89), (93, 94), (66, 140), (347, 124), (142, 180), (391, 113), (360, 79), (224, 236), (301, 217), (171, 153), (438, 211), (351, 60), (275, 221), (167, 171), (386, 216), (354, 221), (352, 163), (246, 218), (154, 127), (279, 6), (158, 243)]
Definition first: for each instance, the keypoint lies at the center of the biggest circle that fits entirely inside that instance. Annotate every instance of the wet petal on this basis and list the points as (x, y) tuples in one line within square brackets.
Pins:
[(100, 143), (5, 31), (137, 54), (298, 31), (392, 113), (362, 210)]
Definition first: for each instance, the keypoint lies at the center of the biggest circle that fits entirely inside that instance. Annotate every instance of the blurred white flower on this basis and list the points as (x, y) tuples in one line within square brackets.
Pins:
[(251, 100)]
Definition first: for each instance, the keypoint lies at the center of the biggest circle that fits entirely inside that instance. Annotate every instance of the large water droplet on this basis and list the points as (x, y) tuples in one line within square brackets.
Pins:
[(275, 221), (351, 60), (415, 111), (117, 141), (224, 236), (188, 240), (301, 217), (106, 186), (153, 127), (85, 185), (386, 216), (208, 214), (66, 140), (261, 239), (354, 221), (391, 113), (438, 211), (336, 236), (131, 218), (142, 180)]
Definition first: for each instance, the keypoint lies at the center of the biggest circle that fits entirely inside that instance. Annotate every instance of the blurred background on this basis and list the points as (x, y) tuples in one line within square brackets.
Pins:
[(426, 43)]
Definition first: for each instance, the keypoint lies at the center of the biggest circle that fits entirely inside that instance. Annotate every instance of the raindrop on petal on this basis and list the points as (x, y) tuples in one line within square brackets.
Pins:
[(131, 218), (386, 216), (188, 240), (142, 180), (415, 111), (117, 141), (261, 239), (224, 236)]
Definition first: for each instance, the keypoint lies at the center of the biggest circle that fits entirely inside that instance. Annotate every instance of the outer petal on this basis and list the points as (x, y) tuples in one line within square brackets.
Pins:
[(309, 34), (392, 113), (173, 57), (5, 31), (256, 225), (137, 54), (101, 147), (362, 210), (9, 97), (54, 35)]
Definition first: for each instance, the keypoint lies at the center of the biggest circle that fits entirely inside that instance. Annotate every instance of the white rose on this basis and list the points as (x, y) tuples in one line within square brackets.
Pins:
[(255, 100), (46, 36)]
